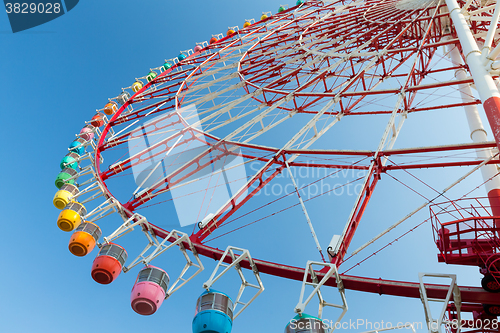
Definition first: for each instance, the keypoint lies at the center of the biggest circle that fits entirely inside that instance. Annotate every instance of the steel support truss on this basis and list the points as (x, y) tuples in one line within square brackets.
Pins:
[(331, 271), (434, 324), (232, 260), (155, 247)]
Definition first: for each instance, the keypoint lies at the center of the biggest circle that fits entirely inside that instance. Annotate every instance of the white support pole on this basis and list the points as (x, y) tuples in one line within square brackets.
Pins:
[(309, 223), (486, 87), (488, 91), (104, 209), (491, 33), (126, 227), (493, 54), (478, 133)]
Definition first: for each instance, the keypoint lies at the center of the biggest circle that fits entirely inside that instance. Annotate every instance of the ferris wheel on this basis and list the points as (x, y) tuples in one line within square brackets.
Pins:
[(300, 114)]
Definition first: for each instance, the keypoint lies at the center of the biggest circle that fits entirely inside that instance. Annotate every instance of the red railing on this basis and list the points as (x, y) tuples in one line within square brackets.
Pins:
[(466, 233)]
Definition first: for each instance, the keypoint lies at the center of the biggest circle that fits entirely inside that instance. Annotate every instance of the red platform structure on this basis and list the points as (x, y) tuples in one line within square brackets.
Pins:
[(481, 321), (466, 233)]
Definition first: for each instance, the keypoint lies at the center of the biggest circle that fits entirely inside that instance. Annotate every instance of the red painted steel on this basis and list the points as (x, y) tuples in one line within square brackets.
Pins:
[(492, 109), (266, 74), (466, 232)]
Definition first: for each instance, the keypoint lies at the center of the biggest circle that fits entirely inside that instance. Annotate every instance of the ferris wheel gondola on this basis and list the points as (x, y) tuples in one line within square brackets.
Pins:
[(271, 94)]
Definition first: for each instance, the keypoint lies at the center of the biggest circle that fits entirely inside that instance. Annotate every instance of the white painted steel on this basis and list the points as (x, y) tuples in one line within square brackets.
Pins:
[(435, 324), (478, 133), (484, 82), (491, 32), (316, 284), (425, 204), (161, 247), (311, 228), (235, 263)]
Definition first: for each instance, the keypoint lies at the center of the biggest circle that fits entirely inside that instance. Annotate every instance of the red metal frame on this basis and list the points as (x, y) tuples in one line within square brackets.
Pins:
[(393, 36), (466, 233), (481, 322)]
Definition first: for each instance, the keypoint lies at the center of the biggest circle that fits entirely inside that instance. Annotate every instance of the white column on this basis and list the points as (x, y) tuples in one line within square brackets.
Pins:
[(488, 92), (477, 131)]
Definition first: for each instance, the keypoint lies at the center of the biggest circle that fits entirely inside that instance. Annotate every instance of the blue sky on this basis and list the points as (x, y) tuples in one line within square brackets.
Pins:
[(53, 78)]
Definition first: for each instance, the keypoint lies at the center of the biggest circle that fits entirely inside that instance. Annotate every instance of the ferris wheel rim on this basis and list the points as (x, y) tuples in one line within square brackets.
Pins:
[(468, 293), (360, 283)]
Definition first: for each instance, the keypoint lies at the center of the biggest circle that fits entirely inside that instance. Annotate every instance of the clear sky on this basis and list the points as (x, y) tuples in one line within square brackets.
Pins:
[(53, 78)]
